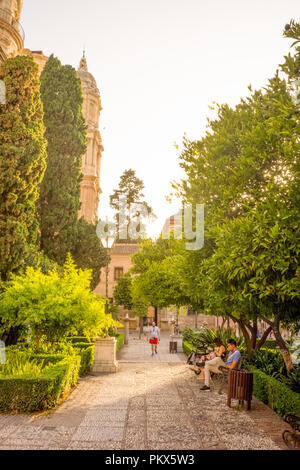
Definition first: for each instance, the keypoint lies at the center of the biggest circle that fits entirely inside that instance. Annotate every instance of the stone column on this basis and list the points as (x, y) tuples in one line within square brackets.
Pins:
[(105, 355), (126, 321)]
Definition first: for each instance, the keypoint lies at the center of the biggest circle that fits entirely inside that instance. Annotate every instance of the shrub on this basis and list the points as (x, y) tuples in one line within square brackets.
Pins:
[(20, 364), (187, 348), (120, 341), (269, 361), (24, 394), (87, 355), (54, 305), (274, 393), (204, 337), (78, 339)]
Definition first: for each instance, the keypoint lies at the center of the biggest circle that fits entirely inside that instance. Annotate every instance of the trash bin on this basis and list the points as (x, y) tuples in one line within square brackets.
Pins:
[(173, 346), (240, 386)]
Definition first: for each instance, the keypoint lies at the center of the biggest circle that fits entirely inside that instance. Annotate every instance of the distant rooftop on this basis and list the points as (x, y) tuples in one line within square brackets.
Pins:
[(124, 249)]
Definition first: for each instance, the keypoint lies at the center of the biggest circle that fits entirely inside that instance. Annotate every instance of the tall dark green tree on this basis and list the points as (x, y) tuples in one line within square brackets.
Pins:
[(131, 189), (22, 161), (88, 252), (66, 134)]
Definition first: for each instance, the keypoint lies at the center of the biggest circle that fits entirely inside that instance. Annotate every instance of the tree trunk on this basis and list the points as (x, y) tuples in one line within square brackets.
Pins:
[(263, 339), (155, 315), (280, 341), (141, 330), (249, 332)]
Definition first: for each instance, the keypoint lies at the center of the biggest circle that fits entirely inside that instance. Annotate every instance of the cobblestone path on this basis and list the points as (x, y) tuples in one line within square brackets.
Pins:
[(151, 403)]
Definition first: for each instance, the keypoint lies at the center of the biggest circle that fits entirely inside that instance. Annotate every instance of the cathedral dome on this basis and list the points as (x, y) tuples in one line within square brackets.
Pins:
[(87, 79)]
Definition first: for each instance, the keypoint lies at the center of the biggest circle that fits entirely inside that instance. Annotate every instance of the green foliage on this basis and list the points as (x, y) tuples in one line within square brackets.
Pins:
[(188, 347), (37, 259), (119, 338), (122, 291), (271, 363), (292, 380), (204, 338), (160, 282), (22, 161), (66, 135), (120, 341), (274, 393), (78, 339), (54, 306), (27, 394), (87, 355), (88, 252), (245, 170), (268, 361), (130, 188), (20, 364)]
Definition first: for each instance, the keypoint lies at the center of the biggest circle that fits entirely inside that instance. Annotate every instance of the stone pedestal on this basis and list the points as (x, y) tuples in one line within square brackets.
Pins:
[(172, 328), (105, 356), (178, 340)]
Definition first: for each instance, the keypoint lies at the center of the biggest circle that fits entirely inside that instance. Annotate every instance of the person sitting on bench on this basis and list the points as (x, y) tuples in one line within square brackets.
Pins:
[(218, 351), (233, 359)]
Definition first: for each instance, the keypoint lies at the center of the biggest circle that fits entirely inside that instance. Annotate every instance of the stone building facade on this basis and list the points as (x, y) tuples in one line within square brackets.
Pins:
[(91, 162), (12, 44), (11, 32)]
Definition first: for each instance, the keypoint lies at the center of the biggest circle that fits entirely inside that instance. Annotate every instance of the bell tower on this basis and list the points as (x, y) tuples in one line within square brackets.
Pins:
[(91, 162), (11, 32)]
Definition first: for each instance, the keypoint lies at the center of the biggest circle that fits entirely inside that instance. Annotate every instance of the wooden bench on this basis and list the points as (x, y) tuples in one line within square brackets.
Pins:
[(222, 377)]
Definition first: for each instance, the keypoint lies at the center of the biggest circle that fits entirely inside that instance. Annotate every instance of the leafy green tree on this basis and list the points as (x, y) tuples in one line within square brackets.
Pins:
[(159, 283), (22, 161), (131, 189), (55, 306), (66, 135), (265, 276), (245, 170), (124, 296), (122, 292), (88, 252)]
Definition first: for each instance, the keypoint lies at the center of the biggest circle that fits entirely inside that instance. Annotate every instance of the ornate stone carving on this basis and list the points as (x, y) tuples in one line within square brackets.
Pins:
[(91, 162)]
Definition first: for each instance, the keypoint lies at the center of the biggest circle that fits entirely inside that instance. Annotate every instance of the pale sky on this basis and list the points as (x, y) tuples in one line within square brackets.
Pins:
[(159, 64)]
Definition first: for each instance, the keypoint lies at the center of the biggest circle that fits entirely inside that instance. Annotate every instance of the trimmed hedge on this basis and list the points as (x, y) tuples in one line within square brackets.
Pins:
[(274, 393), (48, 358), (120, 340), (78, 339), (87, 354), (25, 394)]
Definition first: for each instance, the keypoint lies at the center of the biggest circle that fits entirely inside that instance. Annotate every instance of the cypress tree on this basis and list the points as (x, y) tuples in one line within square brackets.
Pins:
[(66, 135), (88, 253), (22, 161)]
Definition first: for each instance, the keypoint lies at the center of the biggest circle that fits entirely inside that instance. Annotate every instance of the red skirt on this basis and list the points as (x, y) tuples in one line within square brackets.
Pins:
[(153, 341)]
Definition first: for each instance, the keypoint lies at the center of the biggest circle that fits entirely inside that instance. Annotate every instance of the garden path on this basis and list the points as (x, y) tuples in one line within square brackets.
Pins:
[(151, 403)]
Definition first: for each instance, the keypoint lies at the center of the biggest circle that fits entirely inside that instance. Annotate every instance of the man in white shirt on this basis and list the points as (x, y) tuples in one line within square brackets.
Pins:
[(154, 333)]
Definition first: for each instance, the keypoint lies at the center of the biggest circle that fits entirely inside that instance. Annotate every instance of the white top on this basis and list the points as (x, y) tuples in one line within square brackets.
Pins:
[(154, 332)]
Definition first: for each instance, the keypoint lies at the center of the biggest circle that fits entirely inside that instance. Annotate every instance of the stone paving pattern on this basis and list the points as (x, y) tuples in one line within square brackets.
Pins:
[(151, 403)]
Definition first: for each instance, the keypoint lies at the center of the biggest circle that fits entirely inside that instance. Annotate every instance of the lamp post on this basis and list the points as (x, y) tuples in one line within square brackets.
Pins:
[(107, 243)]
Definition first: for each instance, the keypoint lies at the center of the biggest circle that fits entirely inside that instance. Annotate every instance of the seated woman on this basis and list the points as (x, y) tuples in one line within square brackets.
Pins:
[(218, 351)]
